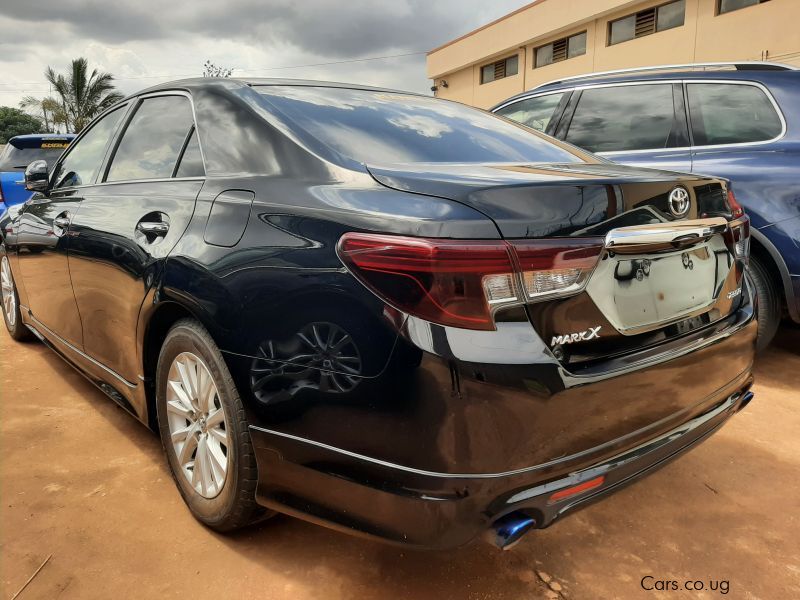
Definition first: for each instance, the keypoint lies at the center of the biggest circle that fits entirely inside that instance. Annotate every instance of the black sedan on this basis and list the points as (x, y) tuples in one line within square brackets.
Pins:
[(379, 311)]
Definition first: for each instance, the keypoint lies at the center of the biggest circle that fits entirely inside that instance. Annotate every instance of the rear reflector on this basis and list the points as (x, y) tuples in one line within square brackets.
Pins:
[(462, 282), (576, 489)]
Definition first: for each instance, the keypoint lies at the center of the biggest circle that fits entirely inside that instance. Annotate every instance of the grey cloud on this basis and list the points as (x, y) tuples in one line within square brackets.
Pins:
[(140, 40), (323, 27), (337, 29), (105, 21)]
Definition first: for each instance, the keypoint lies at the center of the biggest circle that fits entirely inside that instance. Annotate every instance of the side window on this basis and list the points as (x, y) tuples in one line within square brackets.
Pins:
[(533, 112), (153, 140), (731, 114), (82, 164), (191, 164), (640, 117)]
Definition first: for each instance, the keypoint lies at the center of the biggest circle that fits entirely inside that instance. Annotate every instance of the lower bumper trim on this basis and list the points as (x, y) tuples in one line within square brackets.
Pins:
[(334, 488)]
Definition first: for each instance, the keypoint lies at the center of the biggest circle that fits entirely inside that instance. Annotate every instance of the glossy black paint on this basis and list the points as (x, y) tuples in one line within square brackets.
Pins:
[(439, 428)]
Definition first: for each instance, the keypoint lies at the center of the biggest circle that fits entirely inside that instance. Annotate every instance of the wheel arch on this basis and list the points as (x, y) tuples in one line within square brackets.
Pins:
[(763, 248), (154, 327)]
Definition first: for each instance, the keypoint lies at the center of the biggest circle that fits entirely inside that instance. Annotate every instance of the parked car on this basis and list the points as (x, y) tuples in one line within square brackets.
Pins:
[(20, 151), (740, 121), (390, 314)]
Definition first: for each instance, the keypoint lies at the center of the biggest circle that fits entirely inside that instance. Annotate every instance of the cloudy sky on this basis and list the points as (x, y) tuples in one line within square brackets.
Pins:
[(143, 42)]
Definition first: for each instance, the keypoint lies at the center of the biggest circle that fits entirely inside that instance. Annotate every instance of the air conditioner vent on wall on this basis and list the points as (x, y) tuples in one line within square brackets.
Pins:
[(560, 50), (645, 22)]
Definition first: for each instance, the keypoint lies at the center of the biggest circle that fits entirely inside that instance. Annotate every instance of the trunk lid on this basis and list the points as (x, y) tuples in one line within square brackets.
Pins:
[(669, 266)]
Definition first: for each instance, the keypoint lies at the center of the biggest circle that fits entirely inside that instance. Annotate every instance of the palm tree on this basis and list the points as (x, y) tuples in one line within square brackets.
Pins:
[(49, 109), (83, 96)]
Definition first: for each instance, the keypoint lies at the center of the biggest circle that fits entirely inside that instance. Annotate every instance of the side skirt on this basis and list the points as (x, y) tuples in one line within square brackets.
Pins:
[(120, 391)]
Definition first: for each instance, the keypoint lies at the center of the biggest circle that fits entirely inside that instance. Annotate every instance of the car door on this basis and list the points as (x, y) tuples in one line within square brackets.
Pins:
[(128, 223), (635, 124), (736, 131), (45, 234)]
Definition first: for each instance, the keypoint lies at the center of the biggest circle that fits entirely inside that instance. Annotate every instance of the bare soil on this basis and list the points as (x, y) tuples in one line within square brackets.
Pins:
[(84, 482)]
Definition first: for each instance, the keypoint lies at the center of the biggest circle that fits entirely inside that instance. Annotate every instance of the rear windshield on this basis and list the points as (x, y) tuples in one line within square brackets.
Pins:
[(14, 158), (384, 127)]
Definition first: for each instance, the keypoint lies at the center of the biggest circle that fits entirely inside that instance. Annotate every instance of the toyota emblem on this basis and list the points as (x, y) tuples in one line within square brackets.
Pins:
[(679, 203)]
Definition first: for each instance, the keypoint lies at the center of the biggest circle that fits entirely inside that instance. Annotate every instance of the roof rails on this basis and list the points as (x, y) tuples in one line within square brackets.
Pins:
[(738, 66)]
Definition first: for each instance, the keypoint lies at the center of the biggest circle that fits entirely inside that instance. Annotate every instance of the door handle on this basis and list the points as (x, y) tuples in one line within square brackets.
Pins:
[(153, 228)]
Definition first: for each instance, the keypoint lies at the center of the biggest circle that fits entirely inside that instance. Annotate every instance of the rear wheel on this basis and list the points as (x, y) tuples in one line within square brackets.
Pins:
[(10, 300), (204, 430), (769, 307)]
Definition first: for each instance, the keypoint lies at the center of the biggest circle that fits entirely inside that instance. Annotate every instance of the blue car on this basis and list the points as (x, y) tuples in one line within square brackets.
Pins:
[(20, 151), (740, 121)]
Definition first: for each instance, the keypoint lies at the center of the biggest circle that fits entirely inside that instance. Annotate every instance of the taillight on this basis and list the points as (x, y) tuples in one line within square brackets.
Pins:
[(740, 234), (462, 282), (736, 208), (556, 267)]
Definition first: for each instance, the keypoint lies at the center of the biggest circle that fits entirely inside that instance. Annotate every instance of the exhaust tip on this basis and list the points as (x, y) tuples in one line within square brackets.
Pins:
[(746, 398), (507, 531)]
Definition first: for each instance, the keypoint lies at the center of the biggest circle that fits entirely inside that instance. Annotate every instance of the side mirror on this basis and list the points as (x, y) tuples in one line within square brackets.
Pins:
[(37, 177)]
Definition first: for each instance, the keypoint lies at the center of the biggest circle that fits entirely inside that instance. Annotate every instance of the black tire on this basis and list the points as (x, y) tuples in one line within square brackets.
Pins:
[(234, 506), (769, 305), (16, 329)]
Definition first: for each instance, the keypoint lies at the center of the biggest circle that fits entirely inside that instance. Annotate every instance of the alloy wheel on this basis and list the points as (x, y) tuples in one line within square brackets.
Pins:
[(197, 425), (7, 289)]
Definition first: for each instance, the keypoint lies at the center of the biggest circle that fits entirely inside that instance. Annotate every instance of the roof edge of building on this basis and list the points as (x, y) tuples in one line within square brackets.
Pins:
[(485, 26)]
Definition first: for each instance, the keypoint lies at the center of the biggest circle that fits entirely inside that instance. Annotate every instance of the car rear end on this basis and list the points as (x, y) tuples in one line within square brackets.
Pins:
[(19, 152), (607, 329)]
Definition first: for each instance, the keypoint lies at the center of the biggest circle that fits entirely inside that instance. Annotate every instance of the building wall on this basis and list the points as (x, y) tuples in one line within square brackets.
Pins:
[(770, 30)]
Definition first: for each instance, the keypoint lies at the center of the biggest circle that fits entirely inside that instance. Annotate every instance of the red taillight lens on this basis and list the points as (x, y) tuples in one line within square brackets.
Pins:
[(461, 282), (438, 280), (736, 208)]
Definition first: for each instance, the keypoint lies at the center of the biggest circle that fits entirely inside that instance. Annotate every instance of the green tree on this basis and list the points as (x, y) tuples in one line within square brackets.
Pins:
[(48, 109), (82, 96), (13, 122)]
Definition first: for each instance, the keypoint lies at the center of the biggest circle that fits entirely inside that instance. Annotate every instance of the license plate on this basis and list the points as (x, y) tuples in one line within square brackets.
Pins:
[(639, 293)]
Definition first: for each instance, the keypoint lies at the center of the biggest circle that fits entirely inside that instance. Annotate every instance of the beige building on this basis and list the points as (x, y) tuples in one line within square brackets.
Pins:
[(551, 39)]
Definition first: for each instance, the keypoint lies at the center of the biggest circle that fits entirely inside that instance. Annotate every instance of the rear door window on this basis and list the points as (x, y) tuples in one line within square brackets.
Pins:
[(191, 164), (536, 112), (620, 118), (727, 113), (153, 140)]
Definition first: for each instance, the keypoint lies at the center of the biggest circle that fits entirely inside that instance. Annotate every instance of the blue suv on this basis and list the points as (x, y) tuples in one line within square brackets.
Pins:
[(20, 151), (740, 121)]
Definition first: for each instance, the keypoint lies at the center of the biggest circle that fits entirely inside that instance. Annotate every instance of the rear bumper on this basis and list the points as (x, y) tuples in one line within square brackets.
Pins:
[(361, 469), (365, 496)]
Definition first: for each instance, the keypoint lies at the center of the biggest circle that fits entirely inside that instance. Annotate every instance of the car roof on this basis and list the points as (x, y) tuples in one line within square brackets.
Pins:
[(201, 82), (745, 71)]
